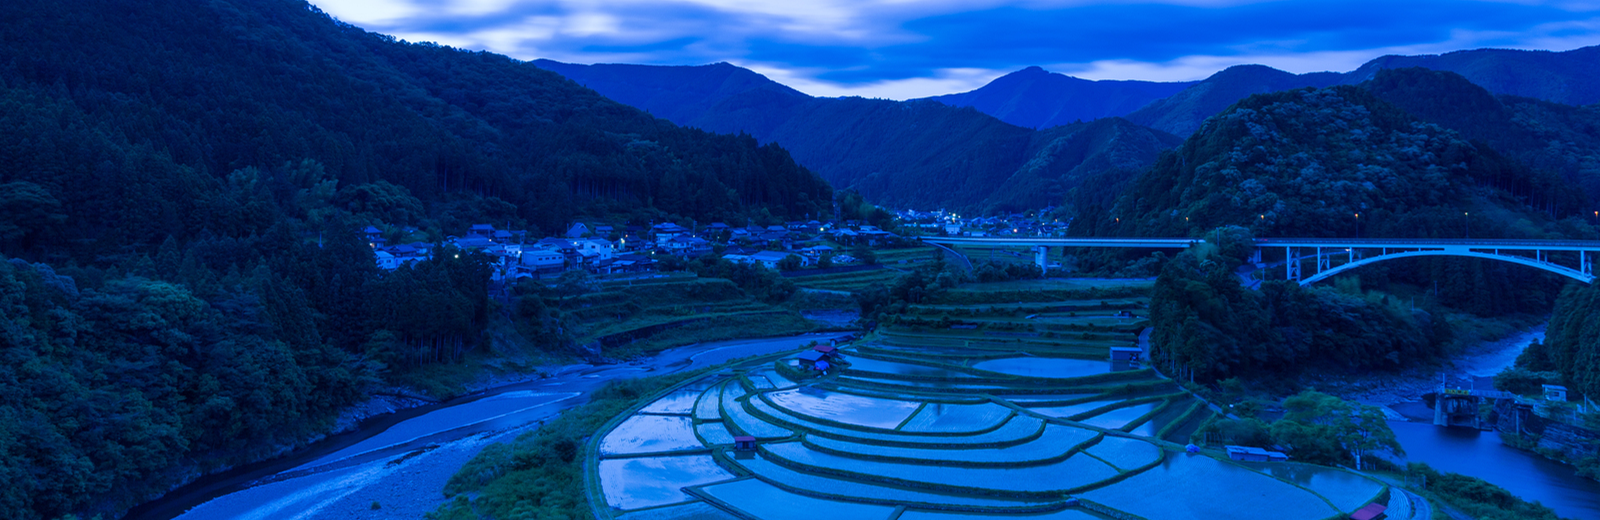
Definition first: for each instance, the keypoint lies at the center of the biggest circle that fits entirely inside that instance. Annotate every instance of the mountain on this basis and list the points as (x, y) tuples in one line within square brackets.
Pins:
[(1035, 98), (915, 153), (1569, 77), (1182, 113), (678, 94), (1562, 141), (185, 285)]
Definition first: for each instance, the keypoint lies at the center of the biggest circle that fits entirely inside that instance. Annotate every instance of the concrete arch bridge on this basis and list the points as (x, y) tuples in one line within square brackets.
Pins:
[(1328, 257)]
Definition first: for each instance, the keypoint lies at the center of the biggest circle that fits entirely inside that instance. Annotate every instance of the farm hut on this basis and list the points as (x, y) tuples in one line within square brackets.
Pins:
[(1251, 454), (1126, 353), (1556, 393), (744, 443)]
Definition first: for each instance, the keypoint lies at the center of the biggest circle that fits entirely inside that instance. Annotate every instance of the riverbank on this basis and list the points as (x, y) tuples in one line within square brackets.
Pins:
[(1400, 393), (406, 472)]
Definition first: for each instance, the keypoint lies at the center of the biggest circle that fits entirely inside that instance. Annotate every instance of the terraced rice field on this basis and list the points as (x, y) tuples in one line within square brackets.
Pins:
[(936, 426)]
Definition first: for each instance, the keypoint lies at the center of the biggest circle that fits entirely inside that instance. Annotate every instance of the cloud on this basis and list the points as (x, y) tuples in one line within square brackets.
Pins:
[(906, 48)]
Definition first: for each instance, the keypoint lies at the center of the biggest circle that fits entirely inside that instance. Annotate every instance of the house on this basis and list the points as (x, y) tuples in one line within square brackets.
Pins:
[(688, 246), (667, 231), (815, 252), (631, 263), (543, 262), (769, 259), (474, 242), (776, 239), (737, 258), (604, 248), (827, 351), (372, 234), (577, 230), (503, 236), (1252, 454), (386, 261), (1556, 393), (481, 230)]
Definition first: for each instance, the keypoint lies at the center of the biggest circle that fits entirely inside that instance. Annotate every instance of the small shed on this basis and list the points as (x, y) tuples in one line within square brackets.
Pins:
[(744, 443), (811, 356), (1126, 353), (1252, 454), (1556, 393), (827, 351), (1373, 511)]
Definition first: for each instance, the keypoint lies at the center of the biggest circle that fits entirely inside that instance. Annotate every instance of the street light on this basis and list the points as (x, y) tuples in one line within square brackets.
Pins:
[(1467, 215)]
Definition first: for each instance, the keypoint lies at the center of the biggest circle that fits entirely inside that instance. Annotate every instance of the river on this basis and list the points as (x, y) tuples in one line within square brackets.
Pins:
[(399, 462), (1481, 454)]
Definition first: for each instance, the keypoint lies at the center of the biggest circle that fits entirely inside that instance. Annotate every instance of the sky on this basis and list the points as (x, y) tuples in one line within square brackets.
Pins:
[(902, 49)]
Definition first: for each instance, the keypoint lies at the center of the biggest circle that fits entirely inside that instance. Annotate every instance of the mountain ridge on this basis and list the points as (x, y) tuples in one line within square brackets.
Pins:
[(914, 153)]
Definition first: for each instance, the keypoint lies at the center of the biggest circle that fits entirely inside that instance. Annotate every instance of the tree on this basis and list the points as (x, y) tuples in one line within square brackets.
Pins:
[(1314, 418), (790, 263), (864, 254), (27, 210)]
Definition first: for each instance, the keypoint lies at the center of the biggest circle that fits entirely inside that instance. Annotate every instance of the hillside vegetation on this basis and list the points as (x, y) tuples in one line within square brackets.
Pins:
[(1334, 162), (182, 186)]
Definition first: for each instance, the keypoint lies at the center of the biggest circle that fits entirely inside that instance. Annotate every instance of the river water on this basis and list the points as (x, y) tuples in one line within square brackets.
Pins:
[(1481, 454), (405, 458)]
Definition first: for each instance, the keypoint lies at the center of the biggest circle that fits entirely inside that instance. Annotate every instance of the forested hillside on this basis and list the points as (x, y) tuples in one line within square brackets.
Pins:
[(916, 153), (1333, 162), (1567, 77), (1544, 136), (1035, 98), (1561, 77), (182, 186), (1183, 112)]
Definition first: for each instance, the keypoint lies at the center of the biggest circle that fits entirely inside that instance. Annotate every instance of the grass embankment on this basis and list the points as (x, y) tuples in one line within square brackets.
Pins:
[(540, 474), (637, 317), (889, 264), (1470, 496)]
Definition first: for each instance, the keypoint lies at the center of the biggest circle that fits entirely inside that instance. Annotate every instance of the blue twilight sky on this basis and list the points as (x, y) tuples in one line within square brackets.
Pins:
[(903, 49)]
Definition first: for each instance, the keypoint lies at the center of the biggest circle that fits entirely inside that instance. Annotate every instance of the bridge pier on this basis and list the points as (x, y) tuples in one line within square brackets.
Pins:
[(1291, 264), (1455, 410), (1041, 256)]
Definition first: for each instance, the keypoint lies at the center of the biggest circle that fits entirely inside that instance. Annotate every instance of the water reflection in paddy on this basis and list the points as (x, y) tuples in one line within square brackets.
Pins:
[(654, 481), (845, 408), (1029, 366)]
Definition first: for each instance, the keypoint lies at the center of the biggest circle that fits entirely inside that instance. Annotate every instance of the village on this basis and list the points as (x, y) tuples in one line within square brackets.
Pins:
[(599, 248)]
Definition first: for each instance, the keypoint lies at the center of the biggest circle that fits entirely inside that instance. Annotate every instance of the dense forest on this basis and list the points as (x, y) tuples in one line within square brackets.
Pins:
[(182, 186), (1333, 162), (909, 154)]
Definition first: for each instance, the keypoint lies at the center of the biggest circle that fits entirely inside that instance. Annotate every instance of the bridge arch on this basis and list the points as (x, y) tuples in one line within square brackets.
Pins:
[(1562, 270)]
